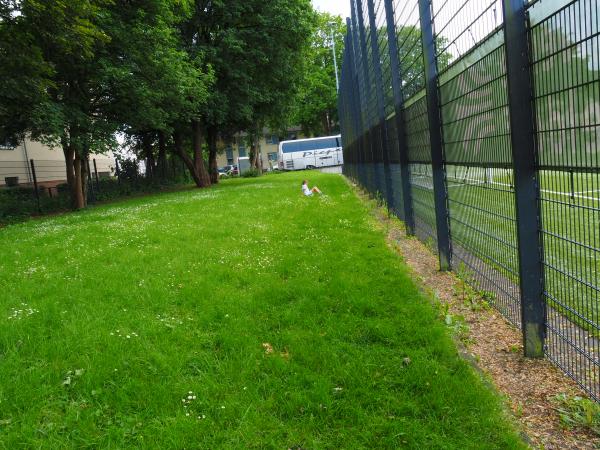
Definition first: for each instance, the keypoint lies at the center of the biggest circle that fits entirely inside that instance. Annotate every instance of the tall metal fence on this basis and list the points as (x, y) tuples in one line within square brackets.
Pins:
[(478, 122)]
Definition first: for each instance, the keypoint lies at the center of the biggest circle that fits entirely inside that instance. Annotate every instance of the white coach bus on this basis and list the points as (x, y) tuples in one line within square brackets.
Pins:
[(311, 153)]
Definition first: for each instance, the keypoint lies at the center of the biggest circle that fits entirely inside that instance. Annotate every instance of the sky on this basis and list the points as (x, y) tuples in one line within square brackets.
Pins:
[(337, 7)]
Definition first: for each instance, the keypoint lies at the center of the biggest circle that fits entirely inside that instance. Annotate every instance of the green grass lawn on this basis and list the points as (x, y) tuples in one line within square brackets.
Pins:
[(245, 316)]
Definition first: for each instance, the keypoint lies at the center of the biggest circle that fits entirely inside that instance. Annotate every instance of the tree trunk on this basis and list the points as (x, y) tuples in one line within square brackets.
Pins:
[(70, 167), (149, 154), (326, 124), (73, 169), (256, 160), (162, 155), (86, 173), (212, 155), (254, 154), (258, 156), (77, 188), (198, 158), (180, 151)]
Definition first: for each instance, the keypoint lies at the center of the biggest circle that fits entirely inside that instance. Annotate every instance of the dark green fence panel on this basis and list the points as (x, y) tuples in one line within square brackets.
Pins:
[(539, 266)]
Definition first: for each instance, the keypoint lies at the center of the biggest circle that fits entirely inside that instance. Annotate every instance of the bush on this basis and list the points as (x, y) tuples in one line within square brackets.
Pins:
[(578, 412), (251, 173), (112, 188), (21, 202), (18, 203), (129, 170)]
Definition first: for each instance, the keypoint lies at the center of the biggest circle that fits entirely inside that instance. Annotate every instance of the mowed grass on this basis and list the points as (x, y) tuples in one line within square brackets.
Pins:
[(245, 316)]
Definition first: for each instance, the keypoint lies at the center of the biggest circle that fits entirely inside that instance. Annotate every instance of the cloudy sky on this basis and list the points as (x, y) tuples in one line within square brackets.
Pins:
[(337, 7)]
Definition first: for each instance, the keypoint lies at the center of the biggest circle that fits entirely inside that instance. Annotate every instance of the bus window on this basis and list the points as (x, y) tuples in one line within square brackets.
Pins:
[(310, 145)]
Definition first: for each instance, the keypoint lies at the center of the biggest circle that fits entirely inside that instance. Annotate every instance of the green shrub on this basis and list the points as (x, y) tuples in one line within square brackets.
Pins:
[(18, 203), (111, 188), (251, 173), (21, 202), (578, 412)]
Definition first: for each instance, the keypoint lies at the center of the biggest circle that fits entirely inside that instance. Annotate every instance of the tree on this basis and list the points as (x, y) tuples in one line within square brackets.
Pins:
[(315, 104), (160, 83), (253, 47), (61, 69), (280, 58), (85, 68)]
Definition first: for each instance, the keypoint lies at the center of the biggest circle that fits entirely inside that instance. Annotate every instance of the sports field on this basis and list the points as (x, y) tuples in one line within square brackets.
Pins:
[(483, 220)]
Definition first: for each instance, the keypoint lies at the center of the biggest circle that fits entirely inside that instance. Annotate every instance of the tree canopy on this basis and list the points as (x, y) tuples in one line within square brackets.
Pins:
[(315, 104), (172, 75), (255, 54)]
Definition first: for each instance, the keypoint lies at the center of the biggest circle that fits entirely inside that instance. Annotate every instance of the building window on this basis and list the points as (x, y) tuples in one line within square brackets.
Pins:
[(242, 151), (272, 139), (229, 155), (272, 156)]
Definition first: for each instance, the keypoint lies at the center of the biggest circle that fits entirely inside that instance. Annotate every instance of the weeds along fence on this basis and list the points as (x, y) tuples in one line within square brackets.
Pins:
[(35, 186), (477, 121)]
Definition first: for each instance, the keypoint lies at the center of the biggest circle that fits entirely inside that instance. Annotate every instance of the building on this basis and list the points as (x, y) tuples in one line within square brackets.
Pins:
[(49, 164), (268, 147), (50, 170)]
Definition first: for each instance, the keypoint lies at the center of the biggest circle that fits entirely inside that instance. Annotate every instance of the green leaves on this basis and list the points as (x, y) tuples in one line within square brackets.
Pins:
[(578, 412), (77, 73), (156, 82), (254, 48), (315, 103)]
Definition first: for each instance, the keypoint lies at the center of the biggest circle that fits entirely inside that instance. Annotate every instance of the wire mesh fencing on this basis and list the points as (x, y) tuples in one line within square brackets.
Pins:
[(478, 123), (36, 186)]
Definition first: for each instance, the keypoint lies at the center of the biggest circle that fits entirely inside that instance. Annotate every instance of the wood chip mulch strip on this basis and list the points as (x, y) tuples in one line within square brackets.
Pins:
[(495, 347)]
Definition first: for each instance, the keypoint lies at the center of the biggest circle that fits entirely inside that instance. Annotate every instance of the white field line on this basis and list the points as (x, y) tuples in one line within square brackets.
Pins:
[(565, 194), (472, 181)]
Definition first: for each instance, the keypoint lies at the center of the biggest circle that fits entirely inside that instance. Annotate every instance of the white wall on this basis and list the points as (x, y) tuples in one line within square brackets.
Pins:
[(49, 163), (265, 149)]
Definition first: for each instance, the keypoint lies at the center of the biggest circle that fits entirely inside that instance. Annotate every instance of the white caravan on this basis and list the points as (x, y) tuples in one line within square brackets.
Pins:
[(311, 153)]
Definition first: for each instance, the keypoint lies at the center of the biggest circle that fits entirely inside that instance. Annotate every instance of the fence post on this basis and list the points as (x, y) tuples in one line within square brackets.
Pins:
[(373, 181), (383, 128), (435, 134), (35, 185), (409, 218), (361, 132), (344, 104), (96, 176), (527, 198), (353, 97), (90, 181), (358, 154)]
